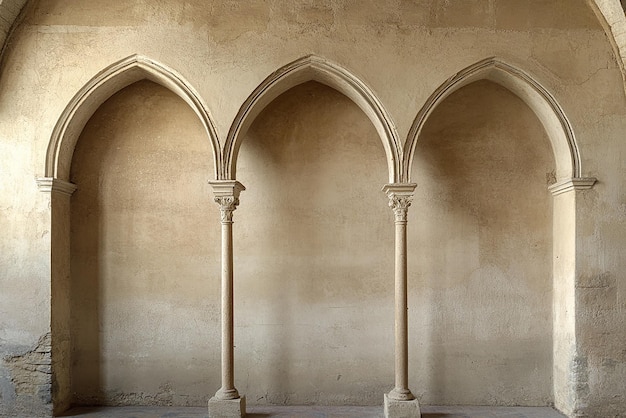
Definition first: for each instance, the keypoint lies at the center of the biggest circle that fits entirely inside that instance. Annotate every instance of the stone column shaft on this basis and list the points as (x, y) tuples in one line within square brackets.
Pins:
[(227, 390), (401, 314), (400, 197), (227, 196)]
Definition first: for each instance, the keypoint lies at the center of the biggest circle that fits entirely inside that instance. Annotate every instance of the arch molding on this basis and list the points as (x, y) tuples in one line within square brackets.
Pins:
[(106, 83), (313, 68), (536, 96)]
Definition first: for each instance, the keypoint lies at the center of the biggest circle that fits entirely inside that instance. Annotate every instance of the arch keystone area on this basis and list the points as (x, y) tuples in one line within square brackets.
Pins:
[(106, 83), (313, 68), (537, 97)]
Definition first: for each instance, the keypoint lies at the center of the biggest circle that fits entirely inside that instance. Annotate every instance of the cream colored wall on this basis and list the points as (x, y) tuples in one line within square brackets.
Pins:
[(601, 286), (409, 38), (314, 255), (145, 254), (481, 253), (402, 51), (313, 297)]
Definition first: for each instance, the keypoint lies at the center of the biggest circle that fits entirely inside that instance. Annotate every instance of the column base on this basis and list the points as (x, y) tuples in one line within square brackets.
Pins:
[(401, 409), (227, 408)]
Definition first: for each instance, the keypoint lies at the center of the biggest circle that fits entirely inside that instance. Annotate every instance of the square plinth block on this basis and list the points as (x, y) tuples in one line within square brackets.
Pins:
[(227, 408), (401, 409)]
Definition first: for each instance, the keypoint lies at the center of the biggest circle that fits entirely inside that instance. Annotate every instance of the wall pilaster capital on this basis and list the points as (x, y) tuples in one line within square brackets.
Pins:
[(54, 185), (575, 183), (400, 197), (226, 194)]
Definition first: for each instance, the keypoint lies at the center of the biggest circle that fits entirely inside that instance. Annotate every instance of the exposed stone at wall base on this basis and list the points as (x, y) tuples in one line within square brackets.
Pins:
[(26, 382)]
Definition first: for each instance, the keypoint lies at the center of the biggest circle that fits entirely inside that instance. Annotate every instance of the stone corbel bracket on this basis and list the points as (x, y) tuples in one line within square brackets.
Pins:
[(577, 183), (51, 184)]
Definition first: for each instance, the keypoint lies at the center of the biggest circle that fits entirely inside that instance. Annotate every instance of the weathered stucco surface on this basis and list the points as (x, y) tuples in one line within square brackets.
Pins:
[(314, 315), (509, 286), (481, 269), (144, 304)]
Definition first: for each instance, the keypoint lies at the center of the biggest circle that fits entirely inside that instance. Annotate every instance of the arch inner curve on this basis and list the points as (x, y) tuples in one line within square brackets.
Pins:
[(313, 68), (106, 83), (537, 97)]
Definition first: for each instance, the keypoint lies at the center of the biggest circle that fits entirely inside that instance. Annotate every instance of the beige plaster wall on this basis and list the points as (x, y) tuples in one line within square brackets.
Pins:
[(601, 289), (145, 253), (403, 51), (313, 255), (25, 374), (314, 239), (480, 243), (413, 39)]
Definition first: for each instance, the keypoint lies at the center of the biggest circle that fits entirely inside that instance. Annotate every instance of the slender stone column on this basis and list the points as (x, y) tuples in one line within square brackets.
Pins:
[(400, 402), (227, 205), (227, 402)]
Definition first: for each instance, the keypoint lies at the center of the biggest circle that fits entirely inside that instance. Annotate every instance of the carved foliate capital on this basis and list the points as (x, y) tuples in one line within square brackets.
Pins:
[(400, 198), (227, 196), (400, 205), (227, 205)]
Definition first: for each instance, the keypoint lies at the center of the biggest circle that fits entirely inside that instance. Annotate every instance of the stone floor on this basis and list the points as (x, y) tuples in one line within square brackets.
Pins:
[(316, 412)]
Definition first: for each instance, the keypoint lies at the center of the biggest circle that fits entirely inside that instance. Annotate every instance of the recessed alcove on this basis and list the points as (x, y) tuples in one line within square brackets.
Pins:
[(314, 266), (480, 252), (144, 254), (517, 294), (313, 254)]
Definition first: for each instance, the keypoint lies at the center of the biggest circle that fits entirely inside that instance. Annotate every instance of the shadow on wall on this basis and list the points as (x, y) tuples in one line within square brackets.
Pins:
[(86, 226), (144, 255), (314, 254), (480, 248)]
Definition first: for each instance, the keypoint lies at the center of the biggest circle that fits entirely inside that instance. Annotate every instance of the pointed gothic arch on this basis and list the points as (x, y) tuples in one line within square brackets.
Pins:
[(537, 97), (56, 181), (569, 181), (106, 83), (313, 68)]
